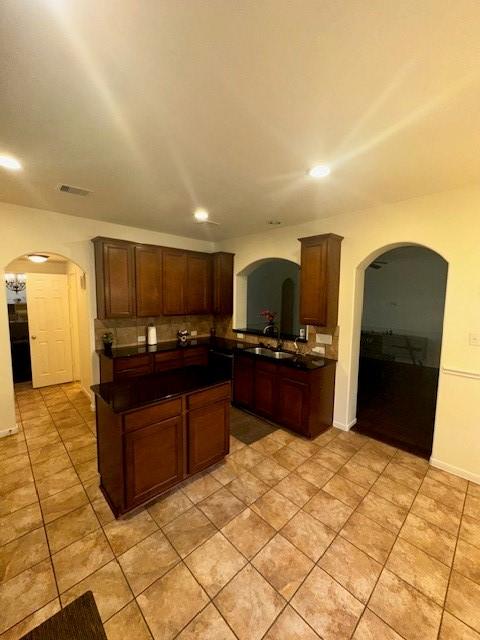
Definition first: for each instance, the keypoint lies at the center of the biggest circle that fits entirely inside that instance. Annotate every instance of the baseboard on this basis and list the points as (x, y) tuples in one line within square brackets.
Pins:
[(457, 471), (9, 432), (345, 427), (89, 396)]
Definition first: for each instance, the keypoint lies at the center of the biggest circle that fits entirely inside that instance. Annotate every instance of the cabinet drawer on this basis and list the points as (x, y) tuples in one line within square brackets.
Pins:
[(151, 415), (131, 362), (133, 372), (202, 398), (168, 360)]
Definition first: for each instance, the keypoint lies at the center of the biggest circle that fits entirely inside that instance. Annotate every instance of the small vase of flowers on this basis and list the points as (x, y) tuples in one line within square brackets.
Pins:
[(107, 340), (269, 317)]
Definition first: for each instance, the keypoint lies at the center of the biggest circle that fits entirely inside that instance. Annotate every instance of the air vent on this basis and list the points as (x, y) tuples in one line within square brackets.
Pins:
[(75, 191)]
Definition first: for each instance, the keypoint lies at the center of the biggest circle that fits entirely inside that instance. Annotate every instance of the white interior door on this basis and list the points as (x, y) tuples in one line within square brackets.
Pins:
[(49, 328)]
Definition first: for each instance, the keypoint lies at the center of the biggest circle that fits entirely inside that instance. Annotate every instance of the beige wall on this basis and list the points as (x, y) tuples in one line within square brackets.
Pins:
[(448, 223), (26, 230)]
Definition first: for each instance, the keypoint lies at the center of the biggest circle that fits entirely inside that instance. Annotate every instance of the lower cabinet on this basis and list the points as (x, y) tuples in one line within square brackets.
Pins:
[(264, 390), (208, 440), (154, 459), (301, 400), (144, 452)]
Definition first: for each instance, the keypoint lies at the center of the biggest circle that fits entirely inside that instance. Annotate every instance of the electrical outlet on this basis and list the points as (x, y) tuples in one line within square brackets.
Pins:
[(240, 336), (141, 339), (319, 350), (193, 334), (474, 339), (323, 338)]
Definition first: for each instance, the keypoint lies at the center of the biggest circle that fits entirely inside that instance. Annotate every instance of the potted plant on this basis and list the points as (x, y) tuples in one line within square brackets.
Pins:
[(107, 340), (269, 317)]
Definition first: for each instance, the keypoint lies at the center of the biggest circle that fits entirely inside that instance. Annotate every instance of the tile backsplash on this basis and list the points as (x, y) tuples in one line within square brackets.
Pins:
[(223, 329), (126, 332)]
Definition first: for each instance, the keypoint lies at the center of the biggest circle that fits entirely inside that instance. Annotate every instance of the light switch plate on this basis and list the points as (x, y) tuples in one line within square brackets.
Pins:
[(141, 339), (323, 338), (193, 333), (474, 339)]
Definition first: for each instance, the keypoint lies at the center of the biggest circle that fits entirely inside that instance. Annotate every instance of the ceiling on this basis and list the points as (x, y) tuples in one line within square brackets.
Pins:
[(160, 106)]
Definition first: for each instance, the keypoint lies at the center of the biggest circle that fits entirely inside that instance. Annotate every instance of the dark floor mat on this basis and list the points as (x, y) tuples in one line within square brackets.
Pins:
[(79, 620), (249, 431)]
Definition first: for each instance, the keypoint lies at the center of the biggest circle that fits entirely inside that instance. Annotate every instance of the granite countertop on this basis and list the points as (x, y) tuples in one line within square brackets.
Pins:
[(127, 395), (220, 344), (307, 362)]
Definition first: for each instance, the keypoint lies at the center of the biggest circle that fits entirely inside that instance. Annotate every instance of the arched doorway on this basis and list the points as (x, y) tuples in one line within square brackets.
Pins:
[(400, 344), (48, 295)]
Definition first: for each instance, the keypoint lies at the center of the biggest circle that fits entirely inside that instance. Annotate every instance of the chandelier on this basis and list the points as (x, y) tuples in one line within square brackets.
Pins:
[(15, 281)]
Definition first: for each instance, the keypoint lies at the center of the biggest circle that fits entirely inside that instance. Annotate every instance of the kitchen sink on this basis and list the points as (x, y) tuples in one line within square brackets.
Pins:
[(277, 355)]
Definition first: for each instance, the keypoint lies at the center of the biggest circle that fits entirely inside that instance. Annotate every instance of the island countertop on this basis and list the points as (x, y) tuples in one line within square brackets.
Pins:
[(134, 393)]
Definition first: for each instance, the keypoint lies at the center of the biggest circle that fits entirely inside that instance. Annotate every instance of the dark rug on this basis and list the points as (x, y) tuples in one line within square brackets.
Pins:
[(249, 431), (79, 620)]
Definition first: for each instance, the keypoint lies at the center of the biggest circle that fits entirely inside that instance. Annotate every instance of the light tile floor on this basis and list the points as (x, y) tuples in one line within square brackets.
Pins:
[(338, 538)]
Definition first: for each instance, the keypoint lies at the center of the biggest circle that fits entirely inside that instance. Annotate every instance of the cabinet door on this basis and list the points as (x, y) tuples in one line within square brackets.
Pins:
[(264, 389), (154, 459), (222, 283), (174, 266), (293, 404), (319, 280), (116, 293), (243, 371), (208, 435), (148, 281), (198, 287), (313, 284)]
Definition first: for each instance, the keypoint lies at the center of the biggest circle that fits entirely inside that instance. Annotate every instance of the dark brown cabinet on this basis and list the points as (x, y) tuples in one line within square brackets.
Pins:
[(154, 459), (222, 265), (264, 390), (174, 281), (198, 283), (293, 401), (243, 383), (301, 400), (138, 280), (117, 368), (319, 280), (115, 281), (207, 436), (143, 452), (148, 280)]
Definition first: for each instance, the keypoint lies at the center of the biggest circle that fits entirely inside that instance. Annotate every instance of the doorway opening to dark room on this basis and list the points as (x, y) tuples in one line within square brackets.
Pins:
[(400, 345)]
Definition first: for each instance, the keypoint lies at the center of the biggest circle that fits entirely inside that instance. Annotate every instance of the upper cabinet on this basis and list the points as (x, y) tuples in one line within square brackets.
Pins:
[(174, 263), (115, 278), (222, 265), (148, 280), (198, 285), (319, 280), (137, 280)]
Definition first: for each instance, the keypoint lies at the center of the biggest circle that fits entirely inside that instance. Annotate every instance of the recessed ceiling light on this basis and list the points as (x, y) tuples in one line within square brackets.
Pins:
[(319, 171), (201, 215), (7, 162), (37, 257)]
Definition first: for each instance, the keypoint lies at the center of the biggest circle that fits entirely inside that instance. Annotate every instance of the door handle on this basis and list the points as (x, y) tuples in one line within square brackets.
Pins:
[(34, 337)]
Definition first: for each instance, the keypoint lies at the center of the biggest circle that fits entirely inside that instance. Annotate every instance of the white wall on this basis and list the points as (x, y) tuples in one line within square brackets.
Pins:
[(407, 295), (26, 230), (448, 223)]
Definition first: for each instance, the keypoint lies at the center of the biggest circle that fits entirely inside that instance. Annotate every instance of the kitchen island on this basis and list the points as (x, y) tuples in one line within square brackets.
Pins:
[(156, 430)]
